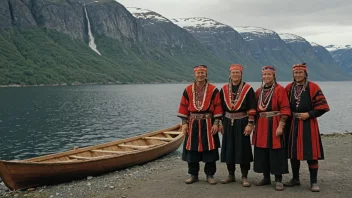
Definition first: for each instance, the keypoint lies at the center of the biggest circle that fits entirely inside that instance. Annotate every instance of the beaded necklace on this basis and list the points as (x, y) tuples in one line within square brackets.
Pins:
[(197, 96), (235, 97), (297, 92), (265, 97)]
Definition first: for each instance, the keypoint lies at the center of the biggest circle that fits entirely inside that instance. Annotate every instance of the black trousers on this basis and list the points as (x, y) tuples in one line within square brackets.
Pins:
[(270, 160), (209, 168), (244, 169), (313, 169)]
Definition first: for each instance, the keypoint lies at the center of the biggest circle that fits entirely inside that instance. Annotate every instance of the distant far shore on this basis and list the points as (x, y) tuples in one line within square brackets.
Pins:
[(126, 83)]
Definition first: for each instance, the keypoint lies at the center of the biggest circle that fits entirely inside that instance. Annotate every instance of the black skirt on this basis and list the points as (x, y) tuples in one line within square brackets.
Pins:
[(236, 147)]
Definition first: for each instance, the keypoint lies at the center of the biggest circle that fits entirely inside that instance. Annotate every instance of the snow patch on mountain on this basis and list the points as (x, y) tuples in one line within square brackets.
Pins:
[(289, 38), (332, 48), (248, 32), (197, 22), (253, 30), (141, 13), (315, 44)]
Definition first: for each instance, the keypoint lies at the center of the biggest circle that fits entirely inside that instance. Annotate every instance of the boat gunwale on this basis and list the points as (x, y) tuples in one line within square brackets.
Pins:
[(31, 161)]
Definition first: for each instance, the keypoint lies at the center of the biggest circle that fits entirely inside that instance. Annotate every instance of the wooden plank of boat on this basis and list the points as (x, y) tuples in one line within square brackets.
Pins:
[(134, 146), (66, 161), (168, 135), (158, 138), (108, 151), (172, 132), (82, 162), (88, 158)]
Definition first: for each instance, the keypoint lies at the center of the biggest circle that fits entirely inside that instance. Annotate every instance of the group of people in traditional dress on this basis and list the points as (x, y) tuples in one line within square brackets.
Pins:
[(283, 122)]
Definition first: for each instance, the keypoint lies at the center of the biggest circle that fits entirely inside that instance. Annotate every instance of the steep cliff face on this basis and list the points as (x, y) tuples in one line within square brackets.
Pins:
[(305, 52), (5, 14), (267, 48), (63, 16), (107, 17), (113, 20), (298, 45), (21, 14), (160, 30), (217, 37), (223, 41), (48, 41), (179, 50), (342, 55), (323, 54)]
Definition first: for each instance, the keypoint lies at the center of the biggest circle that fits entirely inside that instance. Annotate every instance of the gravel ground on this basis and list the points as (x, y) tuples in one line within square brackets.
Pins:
[(165, 178)]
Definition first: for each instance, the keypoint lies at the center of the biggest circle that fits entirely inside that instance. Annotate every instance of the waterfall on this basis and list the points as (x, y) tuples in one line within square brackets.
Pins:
[(90, 35)]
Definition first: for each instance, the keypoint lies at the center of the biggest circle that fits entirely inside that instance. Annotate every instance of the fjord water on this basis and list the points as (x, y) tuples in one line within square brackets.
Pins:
[(36, 121)]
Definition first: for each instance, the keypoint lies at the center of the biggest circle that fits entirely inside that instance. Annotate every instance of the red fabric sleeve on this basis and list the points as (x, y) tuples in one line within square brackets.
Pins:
[(218, 111), (318, 99), (183, 111), (284, 104)]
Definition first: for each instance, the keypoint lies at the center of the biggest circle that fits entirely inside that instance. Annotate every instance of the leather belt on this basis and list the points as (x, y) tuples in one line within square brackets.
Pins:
[(295, 115), (199, 116), (269, 114), (235, 116)]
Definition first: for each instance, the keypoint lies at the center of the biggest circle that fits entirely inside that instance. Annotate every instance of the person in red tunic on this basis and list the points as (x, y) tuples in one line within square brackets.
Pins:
[(307, 103), (200, 111), (273, 109), (239, 105)]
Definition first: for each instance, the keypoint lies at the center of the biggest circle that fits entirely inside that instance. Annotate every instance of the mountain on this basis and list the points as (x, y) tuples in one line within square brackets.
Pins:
[(323, 54), (48, 42), (223, 41), (100, 41), (318, 68), (185, 51), (342, 56), (267, 48)]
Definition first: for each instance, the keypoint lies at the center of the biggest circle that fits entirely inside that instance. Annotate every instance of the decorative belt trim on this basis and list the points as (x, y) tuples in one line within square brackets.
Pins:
[(199, 116), (269, 114), (295, 115), (235, 116)]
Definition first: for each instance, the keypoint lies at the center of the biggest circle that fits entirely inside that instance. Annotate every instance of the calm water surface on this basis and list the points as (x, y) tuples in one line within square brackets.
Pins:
[(41, 120)]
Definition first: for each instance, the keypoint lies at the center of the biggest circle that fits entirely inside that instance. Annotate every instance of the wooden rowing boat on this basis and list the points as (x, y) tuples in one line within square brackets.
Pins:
[(89, 161)]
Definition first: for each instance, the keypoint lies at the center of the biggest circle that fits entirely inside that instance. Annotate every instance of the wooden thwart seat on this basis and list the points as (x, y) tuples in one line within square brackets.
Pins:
[(107, 151), (158, 138), (87, 158), (134, 146), (65, 161), (172, 132), (168, 135)]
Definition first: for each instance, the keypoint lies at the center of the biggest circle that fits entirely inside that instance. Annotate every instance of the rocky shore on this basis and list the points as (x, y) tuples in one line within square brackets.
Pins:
[(165, 178)]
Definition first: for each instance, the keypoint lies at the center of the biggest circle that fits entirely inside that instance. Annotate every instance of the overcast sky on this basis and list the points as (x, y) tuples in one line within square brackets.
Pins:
[(322, 21)]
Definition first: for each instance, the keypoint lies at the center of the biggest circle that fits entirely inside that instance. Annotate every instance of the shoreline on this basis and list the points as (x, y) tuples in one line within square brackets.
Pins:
[(165, 176), (121, 83)]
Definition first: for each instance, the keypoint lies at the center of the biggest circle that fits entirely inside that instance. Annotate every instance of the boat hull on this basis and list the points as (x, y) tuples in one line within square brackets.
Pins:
[(25, 174)]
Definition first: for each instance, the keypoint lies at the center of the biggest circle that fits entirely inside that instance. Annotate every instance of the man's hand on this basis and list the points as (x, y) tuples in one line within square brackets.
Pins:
[(248, 130), (214, 129), (221, 129), (279, 131), (303, 116)]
